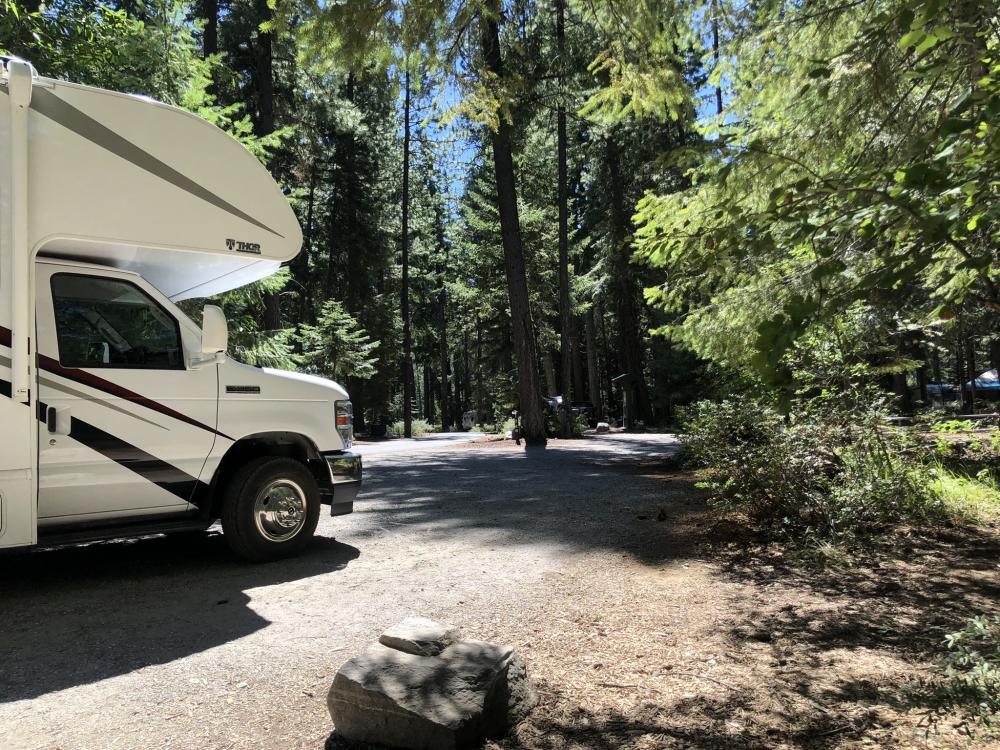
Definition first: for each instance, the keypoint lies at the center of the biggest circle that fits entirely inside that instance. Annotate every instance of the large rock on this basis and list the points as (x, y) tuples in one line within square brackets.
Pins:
[(420, 636), (468, 691), (603, 427)]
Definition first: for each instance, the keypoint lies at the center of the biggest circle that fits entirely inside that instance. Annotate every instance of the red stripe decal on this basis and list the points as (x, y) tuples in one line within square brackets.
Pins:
[(86, 378)]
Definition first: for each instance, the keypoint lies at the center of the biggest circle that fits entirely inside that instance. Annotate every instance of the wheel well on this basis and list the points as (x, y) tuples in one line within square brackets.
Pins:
[(284, 444)]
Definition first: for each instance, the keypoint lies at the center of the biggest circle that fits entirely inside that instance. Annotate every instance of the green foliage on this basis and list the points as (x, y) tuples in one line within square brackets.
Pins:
[(969, 682), (811, 479), (970, 499), (419, 427), (639, 69), (858, 162), (578, 425), (951, 426), (247, 342), (105, 46), (337, 347)]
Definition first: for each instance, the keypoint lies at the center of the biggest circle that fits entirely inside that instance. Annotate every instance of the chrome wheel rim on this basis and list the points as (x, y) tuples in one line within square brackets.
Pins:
[(280, 510)]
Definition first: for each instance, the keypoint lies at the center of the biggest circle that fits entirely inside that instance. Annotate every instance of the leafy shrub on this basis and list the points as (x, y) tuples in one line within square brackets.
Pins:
[(814, 478), (952, 426), (969, 681), (553, 425), (418, 427)]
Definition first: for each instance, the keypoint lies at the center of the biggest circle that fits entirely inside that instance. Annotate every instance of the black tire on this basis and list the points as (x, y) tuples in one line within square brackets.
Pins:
[(245, 532)]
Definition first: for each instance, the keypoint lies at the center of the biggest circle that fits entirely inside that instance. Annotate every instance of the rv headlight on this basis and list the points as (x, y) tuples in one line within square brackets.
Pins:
[(344, 417)]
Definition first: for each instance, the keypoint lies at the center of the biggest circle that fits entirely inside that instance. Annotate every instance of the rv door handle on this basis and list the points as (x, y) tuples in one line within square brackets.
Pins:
[(50, 418)]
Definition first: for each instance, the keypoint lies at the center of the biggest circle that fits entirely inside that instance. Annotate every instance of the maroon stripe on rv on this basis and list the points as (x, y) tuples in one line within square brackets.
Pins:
[(85, 378), (4, 336)]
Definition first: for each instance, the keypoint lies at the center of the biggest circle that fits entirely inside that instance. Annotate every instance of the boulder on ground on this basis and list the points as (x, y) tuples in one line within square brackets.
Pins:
[(603, 427), (467, 691)]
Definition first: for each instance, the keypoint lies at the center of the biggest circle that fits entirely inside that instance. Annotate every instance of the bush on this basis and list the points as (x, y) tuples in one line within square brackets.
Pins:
[(418, 427), (553, 424), (969, 682), (815, 478)]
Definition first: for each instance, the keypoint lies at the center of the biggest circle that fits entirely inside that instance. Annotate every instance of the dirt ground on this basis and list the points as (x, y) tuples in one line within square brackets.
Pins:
[(646, 621)]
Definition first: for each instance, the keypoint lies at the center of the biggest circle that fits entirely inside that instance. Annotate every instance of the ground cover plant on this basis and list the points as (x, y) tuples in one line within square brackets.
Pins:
[(968, 681)]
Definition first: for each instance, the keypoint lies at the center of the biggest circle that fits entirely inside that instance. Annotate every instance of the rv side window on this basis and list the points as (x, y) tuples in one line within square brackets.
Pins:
[(110, 323)]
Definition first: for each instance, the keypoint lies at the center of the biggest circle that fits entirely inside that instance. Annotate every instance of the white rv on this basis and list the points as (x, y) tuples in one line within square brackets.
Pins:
[(119, 415)]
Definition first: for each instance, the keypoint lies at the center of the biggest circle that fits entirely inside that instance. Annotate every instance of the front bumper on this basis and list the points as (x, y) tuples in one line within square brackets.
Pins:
[(345, 481)]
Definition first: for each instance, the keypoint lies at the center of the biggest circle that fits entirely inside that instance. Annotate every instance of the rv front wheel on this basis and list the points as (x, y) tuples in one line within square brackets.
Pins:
[(270, 509)]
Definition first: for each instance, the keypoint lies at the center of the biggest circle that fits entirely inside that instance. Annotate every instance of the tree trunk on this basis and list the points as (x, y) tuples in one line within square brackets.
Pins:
[(428, 395), (480, 394), (405, 243), (210, 34), (902, 391), (579, 390), (549, 368), (593, 376), (608, 361), (715, 54), (264, 55), (522, 329), (565, 311), (922, 375), (300, 265), (971, 367), (443, 342), (629, 338), (466, 376)]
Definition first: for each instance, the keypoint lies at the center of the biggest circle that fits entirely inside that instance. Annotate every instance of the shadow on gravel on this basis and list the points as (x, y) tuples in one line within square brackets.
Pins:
[(904, 597), (75, 615), (563, 494), (700, 723), (826, 632)]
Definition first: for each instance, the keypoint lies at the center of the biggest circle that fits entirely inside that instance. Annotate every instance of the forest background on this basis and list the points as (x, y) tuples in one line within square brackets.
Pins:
[(503, 201)]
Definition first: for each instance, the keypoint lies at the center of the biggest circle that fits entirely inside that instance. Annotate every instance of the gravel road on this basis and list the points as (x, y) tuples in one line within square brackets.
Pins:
[(404, 445), (171, 643)]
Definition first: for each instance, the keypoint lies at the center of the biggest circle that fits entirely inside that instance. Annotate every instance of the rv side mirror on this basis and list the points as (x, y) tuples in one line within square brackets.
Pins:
[(214, 331)]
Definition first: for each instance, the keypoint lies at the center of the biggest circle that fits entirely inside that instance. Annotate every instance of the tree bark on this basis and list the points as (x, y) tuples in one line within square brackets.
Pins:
[(300, 265), (973, 373), (593, 375), (264, 55), (629, 337), (549, 367), (407, 372), (428, 394), (522, 328), (480, 393), (608, 361), (443, 352), (565, 311), (210, 34), (922, 375), (579, 390), (715, 54), (960, 372)]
